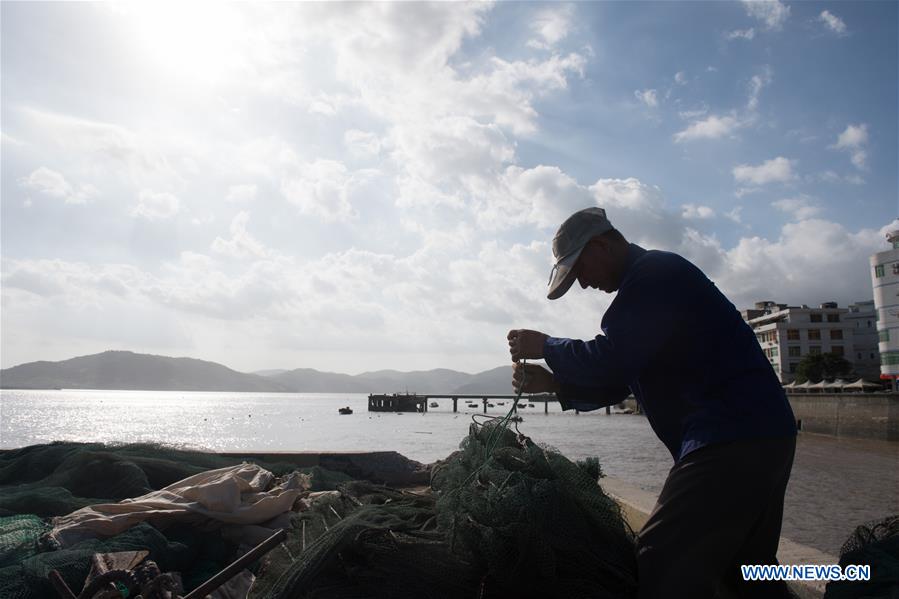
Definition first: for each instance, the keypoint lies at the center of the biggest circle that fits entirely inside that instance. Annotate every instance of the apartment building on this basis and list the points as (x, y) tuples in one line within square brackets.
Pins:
[(862, 318), (885, 283), (787, 333)]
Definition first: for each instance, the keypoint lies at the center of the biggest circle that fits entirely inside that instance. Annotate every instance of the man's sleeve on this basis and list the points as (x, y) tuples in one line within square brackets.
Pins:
[(647, 313)]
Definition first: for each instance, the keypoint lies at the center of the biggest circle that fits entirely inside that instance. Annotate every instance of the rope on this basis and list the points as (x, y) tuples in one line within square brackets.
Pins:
[(500, 424)]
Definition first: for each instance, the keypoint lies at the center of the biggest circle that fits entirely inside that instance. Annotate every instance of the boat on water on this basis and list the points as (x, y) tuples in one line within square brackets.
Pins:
[(433, 404), (490, 405), (500, 403), (521, 405), (516, 419), (530, 405), (345, 410)]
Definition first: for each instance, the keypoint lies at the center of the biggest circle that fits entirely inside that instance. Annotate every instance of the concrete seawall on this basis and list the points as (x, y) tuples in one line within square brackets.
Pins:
[(851, 415), (855, 415), (636, 505)]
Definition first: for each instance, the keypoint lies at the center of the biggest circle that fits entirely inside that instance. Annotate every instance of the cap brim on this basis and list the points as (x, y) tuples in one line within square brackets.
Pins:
[(563, 275)]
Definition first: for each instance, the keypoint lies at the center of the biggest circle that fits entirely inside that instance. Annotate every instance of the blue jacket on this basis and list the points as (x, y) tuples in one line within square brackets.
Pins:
[(673, 339)]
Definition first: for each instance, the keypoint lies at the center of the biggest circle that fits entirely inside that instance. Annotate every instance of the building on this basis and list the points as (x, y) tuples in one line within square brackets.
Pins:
[(885, 281), (787, 333), (862, 317)]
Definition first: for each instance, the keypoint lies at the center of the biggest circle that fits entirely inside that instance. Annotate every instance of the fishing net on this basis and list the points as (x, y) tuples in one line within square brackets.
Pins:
[(875, 544), (58, 478), (42, 481), (504, 517)]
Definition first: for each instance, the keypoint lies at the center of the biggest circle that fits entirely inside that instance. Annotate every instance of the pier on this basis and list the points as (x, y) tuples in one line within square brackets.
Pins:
[(405, 402)]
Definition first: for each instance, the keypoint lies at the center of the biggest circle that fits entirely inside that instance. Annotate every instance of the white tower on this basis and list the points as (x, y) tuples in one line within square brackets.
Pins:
[(885, 280)]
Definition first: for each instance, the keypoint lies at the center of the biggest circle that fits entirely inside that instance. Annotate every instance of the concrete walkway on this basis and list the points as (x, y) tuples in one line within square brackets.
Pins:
[(637, 504)]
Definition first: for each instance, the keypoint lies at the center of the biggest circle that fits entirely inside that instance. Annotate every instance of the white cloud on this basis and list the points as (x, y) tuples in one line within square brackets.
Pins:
[(552, 26), (542, 196), (241, 194), (829, 176), (104, 149), (735, 215), (853, 140), (364, 144), (833, 22), (713, 127), (756, 85), (680, 78), (745, 191), (241, 244), (648, 96), (54, 184), (801, 207), (693, 114), (776, 170), (696, 211), (153, 205), (322, 188), (790, 267), (739, 34), (772, 13)]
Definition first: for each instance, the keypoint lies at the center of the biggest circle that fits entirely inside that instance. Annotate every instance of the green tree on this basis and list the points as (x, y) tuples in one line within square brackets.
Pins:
[(815, 367)]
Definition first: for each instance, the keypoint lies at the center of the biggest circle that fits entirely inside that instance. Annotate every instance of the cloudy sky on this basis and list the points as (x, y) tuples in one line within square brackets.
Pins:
[(352, 187)]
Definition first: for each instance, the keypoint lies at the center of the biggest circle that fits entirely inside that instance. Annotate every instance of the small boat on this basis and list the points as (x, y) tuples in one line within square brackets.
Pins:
[(345, 410), (530, 405), (500, 403), (433, 404), (516, 419), (522, 405), (490, 405)]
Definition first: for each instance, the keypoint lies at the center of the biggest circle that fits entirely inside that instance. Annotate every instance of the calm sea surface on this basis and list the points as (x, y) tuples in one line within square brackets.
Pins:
[(836, 483)]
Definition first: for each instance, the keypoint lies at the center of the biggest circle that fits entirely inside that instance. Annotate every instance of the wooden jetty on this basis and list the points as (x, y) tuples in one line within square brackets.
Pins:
[(406, 402)]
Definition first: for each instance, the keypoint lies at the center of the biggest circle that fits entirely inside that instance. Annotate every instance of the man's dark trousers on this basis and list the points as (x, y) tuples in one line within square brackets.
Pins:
[(721, 506)]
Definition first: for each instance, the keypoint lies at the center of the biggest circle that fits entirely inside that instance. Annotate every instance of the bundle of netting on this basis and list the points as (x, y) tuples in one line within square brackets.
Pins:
[(366, 541), (504, 518), (875, 544), (54, 479), (539, 524)]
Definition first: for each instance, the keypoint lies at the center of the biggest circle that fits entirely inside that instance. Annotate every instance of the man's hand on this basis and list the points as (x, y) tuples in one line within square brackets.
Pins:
[(525, 344), (536, 379)]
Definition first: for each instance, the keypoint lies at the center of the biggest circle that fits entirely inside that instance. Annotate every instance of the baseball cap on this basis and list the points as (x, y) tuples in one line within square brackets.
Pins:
[(569, 242)]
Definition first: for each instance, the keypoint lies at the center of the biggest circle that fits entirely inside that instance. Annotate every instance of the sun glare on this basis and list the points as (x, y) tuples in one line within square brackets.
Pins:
[(194, 41)]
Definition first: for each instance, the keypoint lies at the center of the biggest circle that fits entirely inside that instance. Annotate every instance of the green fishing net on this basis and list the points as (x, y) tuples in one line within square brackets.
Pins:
[(875, 544), (55, 479), (504, 517)]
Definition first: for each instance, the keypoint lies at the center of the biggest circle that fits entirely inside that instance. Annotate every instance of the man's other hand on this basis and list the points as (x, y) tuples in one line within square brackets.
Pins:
[(536, 379), (525, 344)]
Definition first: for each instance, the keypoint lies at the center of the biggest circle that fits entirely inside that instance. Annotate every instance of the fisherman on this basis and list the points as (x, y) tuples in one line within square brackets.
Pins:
[(674, 340)]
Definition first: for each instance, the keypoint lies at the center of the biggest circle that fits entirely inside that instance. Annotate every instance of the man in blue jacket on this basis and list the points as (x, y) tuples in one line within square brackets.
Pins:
[(672, 339)]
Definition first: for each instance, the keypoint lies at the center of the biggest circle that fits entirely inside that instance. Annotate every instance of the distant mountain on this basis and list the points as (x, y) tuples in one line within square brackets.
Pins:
[(128, 370), (308, 380), (439, 380), (497, 380), (271, 372)]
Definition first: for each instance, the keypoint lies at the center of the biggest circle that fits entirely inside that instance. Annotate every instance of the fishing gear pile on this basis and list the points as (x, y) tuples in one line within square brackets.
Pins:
[(502, 517), (519, 520), (875, 544)]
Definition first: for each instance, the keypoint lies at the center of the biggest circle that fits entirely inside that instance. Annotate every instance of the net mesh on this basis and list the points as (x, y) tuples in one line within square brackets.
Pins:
[(504, 517), (42, 481), (875, 544)]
